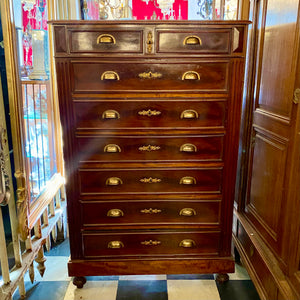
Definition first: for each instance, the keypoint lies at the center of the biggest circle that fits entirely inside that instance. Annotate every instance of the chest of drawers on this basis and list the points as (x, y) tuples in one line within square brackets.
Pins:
[(150, 113)]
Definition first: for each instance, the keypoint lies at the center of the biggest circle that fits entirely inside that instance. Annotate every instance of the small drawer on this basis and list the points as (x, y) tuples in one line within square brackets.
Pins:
[(106, 41), (149, 114), (149, 181), (123, 148), (150, 244), (140, 212), (188, 41), (111, 76)]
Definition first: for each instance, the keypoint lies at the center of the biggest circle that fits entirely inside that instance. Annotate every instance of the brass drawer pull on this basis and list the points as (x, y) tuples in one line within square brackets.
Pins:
[(188, 180), (150, 75), (150, 211), (192, 40), (113, 181), (188, 148), (150, 180), (149, 113), (149, 148), (110, 75), (187, 243), (115, 213), (187, 212), (189, 114), (106, 39), (115, 245), (191, 75), (112, 148), (110, 114), (151, 243)]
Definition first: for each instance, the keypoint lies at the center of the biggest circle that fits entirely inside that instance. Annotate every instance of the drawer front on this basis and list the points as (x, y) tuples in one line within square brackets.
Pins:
[(150, 244), (106, 41), (194, 41), (188, 148), (150, 181), (108, 76), (150, 212), (149, 114)]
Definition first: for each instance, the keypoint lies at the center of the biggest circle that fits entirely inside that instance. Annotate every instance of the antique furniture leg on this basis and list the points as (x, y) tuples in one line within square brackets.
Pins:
[(221, 278), (79, 282)]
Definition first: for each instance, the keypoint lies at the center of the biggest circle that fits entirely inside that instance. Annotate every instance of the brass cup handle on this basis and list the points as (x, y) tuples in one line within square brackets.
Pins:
[(192, 40), (110, 114), (187, 212), (106, 39), (110, 75), (112, 148), (113, 181), (189, 114), (191, 75), (115, 245), (188, 148), (188, 180), (187, 243), (115, 213)]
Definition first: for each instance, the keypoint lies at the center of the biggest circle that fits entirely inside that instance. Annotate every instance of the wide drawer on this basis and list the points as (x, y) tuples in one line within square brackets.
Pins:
[(150, 244), (112, 76), (150, 181), (106, 41), (140, 212), (124, 148), (149, 114), (187, 41)]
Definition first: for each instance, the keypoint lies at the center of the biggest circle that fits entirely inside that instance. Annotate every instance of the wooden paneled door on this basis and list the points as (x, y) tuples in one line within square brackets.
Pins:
[(266, 230)]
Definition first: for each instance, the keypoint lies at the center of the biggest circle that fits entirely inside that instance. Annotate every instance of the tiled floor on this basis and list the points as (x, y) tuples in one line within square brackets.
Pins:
[(56, 285)]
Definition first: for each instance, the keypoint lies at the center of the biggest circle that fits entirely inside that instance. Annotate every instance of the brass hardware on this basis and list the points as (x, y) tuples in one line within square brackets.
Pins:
[(115, 245), (188, 180), (113, 181), (115, 213), (106, 39), (149, 148), (187, 212), (110, 114), (150, 75), (150, 211), (112, 148), (187, 243), (110, 75), (188, 148), (151, 243), (251, 251), (296, 99), (150, 42), (192, 40), (150, 180), (189, 114), (191, 75), (149, 113)]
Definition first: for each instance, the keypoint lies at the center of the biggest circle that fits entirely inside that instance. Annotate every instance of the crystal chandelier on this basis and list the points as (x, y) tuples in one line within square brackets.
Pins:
[(166, 6), (28, 4)]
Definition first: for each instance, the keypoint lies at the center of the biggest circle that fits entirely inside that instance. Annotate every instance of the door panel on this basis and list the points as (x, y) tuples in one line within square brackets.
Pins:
[(274, 83)]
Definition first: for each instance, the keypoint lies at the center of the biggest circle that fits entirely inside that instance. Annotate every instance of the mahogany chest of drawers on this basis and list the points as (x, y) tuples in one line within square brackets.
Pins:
[(150, 113)]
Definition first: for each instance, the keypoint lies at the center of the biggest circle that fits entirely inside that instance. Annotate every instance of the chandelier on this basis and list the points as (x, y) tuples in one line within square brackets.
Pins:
[(166, 6)]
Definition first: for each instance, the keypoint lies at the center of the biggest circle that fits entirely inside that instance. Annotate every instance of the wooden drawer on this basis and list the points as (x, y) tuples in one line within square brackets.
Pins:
[(141, 212), (149, 114), (150, 244), (106, 41), (112, 76), (150, 181), (124, 148), (187, 41)]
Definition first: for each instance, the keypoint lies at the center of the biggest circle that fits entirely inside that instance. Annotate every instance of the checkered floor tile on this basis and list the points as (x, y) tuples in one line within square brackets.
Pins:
[(56, 285)]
